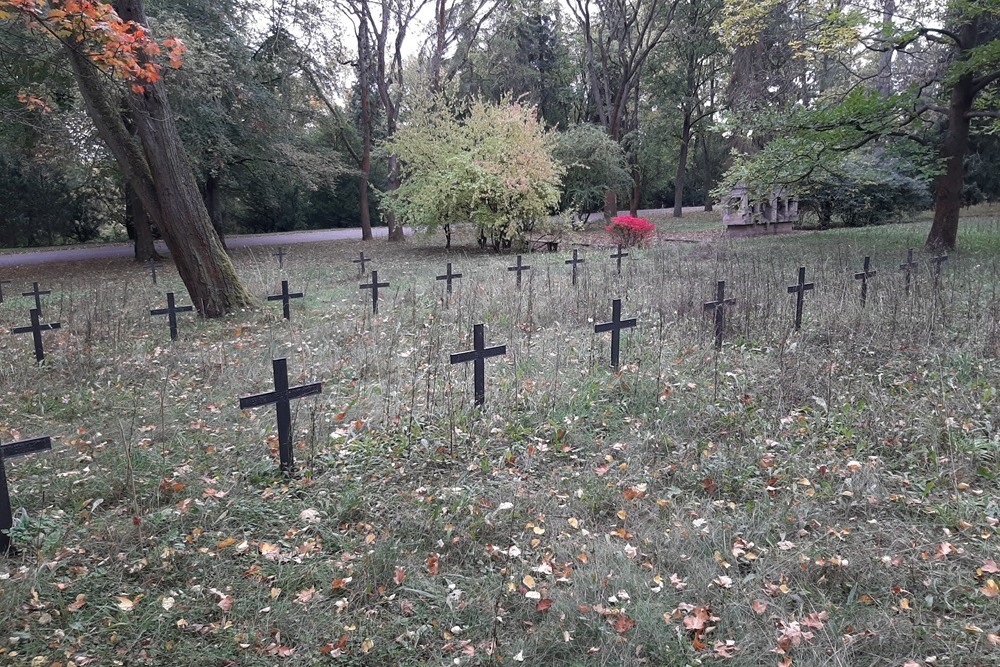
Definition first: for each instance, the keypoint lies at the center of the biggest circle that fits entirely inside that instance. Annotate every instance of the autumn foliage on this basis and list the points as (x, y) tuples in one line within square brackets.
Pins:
[(626, 230), (123, 49)]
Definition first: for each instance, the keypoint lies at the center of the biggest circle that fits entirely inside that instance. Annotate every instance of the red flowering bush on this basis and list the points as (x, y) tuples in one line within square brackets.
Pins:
[(628, 231)]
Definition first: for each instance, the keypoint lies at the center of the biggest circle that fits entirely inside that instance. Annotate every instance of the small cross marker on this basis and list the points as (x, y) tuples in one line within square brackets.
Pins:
[(449, 276), (281, 258), (478, 355), (285, 298), (615, 326), (576, 260), (374, 286), (618, 257), (799, 290), (36, 330), (938, 261), (171, 312), (37, 293), (908, 266), (281, 397), (519, 267), (9, 451), (719, 306), (863, 276), (2, 283), (361, 261)]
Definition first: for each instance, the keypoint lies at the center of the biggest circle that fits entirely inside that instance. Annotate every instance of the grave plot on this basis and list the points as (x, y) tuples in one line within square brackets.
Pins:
[(735, 473)]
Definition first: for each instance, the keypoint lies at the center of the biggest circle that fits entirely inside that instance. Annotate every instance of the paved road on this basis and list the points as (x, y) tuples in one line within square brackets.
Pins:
[(86, 252)]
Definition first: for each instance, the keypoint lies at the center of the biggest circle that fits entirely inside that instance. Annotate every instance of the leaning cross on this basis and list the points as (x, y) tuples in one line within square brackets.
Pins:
[(281, 397), (2, 283), (9, 451), (576, 260), (938, 261), (171, 312), (37, 293), (36, 330), (800, 290), (281, 257), (719, 306), (374, 286), (478, 355), (615, 326), (449, 276), (519, 267), (285, 297), (863, 276), (909, 265), (618, 257), (361, 260)]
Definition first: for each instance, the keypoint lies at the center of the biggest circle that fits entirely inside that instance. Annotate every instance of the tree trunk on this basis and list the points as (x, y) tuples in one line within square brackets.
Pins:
[(706, 151), (365, 164), (395, 229), (138, 221), (883, 83), (682, 160), (212, 196), (949, 186), (157, 168)]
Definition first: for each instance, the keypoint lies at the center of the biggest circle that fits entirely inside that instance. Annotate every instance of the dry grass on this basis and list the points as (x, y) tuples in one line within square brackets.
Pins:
[(830, 493)]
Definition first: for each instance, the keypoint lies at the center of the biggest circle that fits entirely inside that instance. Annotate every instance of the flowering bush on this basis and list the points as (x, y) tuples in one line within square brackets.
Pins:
[(628, 231)]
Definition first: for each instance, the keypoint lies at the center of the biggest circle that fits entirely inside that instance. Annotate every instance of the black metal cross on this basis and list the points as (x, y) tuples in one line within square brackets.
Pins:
[(478, 355), (863, 276), (152, 269), (285, 297), (281, 397), (171, 312), (37, 293), (800, 290), (2, 283), (519, 267), (449, 276), (938, 261), (576, 260), (9, 451), (361, 261), (615, 326), (36, 330), (374, 286), (281, 258), (719, 306), (908, 266), (618, 257)]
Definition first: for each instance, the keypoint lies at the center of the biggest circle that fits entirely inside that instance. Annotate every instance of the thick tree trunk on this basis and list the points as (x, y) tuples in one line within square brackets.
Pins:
[(138, 222), (212, 196), (682, 160), (395, 229), (157, 168), (949, 186)]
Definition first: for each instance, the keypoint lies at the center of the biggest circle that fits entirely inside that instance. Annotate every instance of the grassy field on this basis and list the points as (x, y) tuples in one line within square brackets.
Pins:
[(822, 497)]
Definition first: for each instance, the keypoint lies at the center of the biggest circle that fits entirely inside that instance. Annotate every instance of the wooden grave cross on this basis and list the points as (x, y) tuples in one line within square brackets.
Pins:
[(719, 307), (863, 276), (799, 290), (9, 451), (281, 397), (171, 312), (478, 355), (618, 257), (576, 260), (281, 257), (37, 293), (908, 266), (36, 330), (374, 286), (285, 298), (361, 261), (938, 261), (519, 267), (615, 326), (449, 276), (2, 283)]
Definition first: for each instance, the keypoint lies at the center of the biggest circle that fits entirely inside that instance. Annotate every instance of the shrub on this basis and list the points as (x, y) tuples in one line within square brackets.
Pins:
[(628, 231)]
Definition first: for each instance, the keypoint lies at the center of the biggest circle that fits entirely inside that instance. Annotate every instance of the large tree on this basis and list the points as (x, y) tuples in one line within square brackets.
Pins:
[(106, 45)]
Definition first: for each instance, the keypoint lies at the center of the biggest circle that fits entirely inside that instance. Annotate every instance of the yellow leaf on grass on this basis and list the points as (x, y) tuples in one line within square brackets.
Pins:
[(990, 590)]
